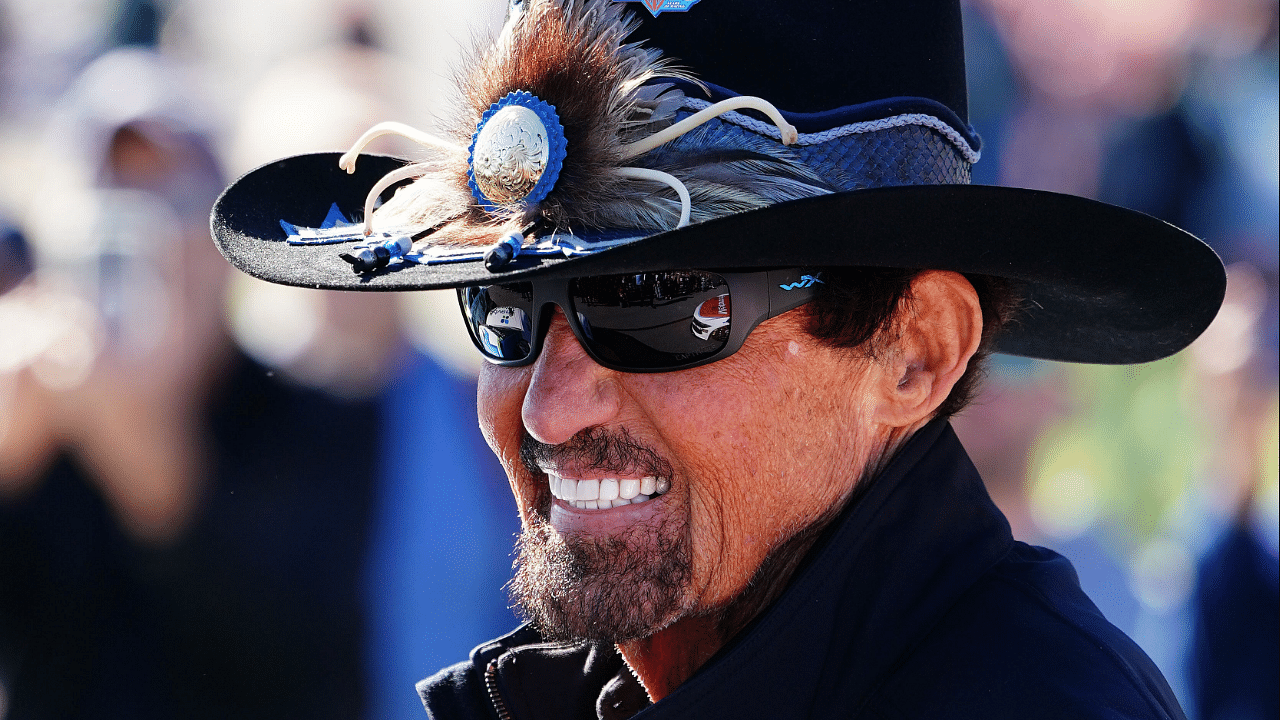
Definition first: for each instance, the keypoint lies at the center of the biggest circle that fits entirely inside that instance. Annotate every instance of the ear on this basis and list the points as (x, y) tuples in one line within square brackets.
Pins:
[(939, 331)]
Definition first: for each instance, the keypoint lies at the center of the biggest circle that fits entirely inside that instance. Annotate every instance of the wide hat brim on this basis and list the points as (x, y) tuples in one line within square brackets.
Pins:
[(1099, 283)]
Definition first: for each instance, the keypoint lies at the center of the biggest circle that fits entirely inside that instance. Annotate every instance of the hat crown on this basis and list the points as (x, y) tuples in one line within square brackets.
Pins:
[(808, 56)]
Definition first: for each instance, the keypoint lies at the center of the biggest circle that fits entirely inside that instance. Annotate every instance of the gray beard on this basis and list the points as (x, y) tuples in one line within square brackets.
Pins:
[(611, 589), (631, 585), (608, 589)]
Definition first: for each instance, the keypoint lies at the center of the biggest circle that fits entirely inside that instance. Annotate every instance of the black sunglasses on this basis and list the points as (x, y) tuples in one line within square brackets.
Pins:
[(641, 322)]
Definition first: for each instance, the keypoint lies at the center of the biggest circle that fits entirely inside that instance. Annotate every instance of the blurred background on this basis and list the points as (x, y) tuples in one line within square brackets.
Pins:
[(222, 498)]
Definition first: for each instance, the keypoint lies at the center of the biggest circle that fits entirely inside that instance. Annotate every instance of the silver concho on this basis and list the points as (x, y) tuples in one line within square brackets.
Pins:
[(510, 154)]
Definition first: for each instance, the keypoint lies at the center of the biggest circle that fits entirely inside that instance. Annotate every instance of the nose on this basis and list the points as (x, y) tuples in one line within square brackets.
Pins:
[(568, 391)]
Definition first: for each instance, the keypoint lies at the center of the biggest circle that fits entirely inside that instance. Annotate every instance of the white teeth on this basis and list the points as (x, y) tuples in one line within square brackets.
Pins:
[(605, 493), (608, 489)]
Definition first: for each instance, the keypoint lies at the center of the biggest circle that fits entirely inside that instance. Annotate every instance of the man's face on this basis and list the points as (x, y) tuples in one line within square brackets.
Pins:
[(752, 449)]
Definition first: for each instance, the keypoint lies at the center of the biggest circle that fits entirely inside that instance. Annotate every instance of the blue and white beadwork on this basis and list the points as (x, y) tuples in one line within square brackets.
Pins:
[(516, 154)]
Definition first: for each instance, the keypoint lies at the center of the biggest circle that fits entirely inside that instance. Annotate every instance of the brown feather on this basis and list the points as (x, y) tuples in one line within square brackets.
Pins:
[(573, 55)]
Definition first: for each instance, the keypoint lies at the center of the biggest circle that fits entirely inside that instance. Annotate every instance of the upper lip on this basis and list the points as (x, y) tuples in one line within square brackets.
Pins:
[(589, 473)]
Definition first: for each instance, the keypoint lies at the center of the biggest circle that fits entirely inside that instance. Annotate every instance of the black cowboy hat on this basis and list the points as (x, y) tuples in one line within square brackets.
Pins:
[(878, 176)]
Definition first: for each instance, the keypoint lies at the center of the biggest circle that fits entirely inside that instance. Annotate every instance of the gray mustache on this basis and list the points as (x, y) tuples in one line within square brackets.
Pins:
[(597, 448)]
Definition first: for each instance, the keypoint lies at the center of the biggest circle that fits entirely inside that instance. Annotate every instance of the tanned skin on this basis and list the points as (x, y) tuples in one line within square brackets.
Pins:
[(762, 448)]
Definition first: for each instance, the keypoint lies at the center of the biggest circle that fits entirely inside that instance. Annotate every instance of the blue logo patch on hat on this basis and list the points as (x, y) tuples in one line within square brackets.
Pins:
[(657, 7)]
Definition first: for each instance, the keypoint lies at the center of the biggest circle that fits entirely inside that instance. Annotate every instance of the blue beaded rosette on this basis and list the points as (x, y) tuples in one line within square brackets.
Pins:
[(516, 154)]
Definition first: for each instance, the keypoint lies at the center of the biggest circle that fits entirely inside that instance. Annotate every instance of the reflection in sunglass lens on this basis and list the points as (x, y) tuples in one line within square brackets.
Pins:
[(500, 319), (653, 320)]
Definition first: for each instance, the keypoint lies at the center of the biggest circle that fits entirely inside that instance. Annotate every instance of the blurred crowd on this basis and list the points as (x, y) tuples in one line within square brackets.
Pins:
[(1158, 481), (222, 498)]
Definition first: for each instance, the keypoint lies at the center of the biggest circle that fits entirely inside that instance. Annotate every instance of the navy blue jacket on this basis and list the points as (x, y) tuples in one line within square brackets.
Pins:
[(916, 603)]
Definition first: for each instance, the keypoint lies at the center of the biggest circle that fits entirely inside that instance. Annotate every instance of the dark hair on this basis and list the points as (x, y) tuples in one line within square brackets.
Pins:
[(858, 309)]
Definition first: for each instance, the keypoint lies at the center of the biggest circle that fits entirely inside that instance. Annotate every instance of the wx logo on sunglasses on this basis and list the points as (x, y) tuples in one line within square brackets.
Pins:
[(804, 282)]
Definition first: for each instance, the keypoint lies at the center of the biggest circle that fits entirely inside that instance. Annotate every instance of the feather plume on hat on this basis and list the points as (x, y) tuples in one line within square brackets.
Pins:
[(628, 159)]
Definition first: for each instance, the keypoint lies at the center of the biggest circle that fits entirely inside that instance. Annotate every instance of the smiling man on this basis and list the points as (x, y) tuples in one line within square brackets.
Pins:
[(663, 511), (729, 306)]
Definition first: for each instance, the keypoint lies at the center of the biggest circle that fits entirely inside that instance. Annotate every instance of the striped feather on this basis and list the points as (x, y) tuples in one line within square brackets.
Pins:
[(607, 93)]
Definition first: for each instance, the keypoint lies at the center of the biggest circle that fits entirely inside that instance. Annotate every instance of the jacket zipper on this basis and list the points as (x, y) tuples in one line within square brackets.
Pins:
[(491, 685)]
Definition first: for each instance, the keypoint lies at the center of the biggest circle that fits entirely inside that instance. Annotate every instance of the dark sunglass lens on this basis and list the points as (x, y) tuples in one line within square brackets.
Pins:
[(500, 319), (653, 321)]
